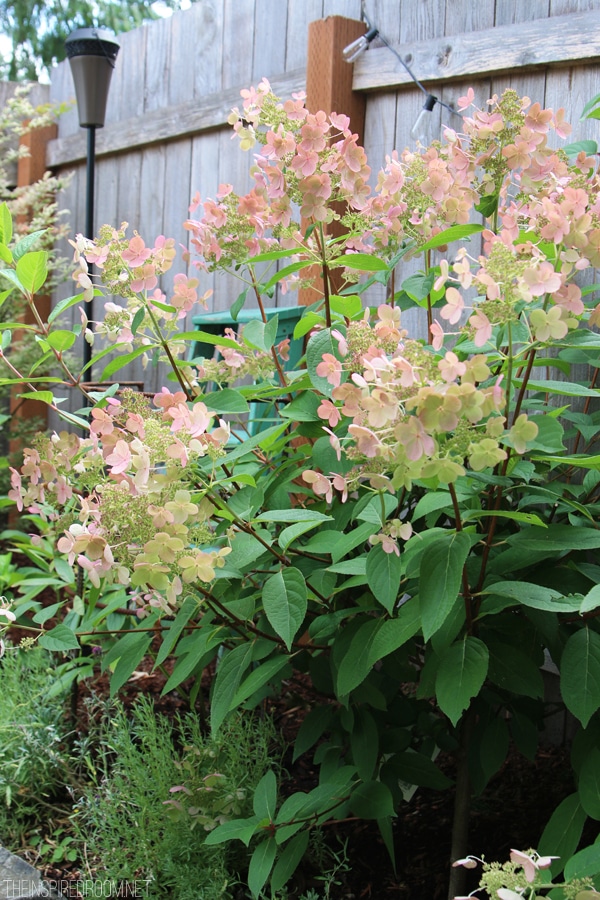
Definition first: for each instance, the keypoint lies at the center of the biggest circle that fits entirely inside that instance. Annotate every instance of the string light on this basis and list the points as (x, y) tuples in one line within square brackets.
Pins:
[(357, 47)]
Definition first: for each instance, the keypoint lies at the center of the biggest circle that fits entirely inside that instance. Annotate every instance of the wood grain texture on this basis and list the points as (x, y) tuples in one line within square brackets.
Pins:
[(238, 40), (163, 125), (528, 44), (268, 45)]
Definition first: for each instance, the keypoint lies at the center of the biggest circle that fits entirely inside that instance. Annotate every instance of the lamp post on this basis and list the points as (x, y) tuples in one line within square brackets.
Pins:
[(92, 53)]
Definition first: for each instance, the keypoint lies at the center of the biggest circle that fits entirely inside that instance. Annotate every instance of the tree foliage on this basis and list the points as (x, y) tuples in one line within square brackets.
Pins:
[(37, 29)]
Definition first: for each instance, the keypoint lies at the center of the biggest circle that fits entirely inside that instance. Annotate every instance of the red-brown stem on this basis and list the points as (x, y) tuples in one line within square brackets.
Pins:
[(280, 372), (586, 407)]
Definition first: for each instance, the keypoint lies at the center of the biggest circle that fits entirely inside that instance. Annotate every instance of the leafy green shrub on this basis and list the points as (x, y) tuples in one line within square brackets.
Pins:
[(35, 758), (160, 789)]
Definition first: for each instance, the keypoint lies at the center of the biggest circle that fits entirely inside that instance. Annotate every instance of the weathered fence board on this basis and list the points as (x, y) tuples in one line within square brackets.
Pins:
[(554, 41)]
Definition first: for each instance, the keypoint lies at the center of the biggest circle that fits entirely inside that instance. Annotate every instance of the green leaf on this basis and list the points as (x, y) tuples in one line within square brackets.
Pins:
[(258, 678), (61, 638), (121, 361), (311, 729), (285, 603), (563, 832), (6, 226), (350, 306), (227, 680), (589, 783), (372, 800), (238, 305), (418, 286), (240, 829), (319, 343), (454, 233), (584, 864), (5, 254), (61, 340), (170, 635), (12, 276), (384, 571), (44, 396), (591, 600), (32, 270), (364, 743), (289, 860), (513, 670), (137, 320), (363, 262), (26, 243), (289, 534), (461, 672), (440, 579), (416, 768), (129, 652), (357, 662), (293, 515), (200, 654), (264, 802), (396, 632), (261, 864), (580, 674), (226, 400), (488, 205), (302, 408), (536, 596), (308, 321), (284, 272), (563, 388)]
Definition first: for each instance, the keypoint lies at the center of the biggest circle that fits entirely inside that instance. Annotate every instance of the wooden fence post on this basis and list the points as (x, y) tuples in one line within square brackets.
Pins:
[(31, 168), (329, 87)]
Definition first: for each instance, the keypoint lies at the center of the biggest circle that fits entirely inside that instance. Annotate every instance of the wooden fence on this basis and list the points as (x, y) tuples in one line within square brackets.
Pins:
[(166, 134)]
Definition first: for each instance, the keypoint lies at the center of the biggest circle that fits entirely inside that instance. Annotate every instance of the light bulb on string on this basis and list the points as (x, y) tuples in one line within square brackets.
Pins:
[(421, 126), (354, 50)]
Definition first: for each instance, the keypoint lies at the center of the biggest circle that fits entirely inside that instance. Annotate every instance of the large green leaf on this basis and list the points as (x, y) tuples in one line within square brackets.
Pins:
[(32, 270), (261, 863), (454, 233), (289, 860), (320, 343), (229, 674), (285, 603), (534, 595), (372, 800), (356, 662), (563, 832), (364, 262), (225, 401), (242, 829), (513, 670), (384, 571), (580, 674), (128, 652), (584, 864), (293, 515), (258, 678), (61, 638), (395, 632), (264, 801), (440, 579), (6, 226), (461, 672), (589, 783)]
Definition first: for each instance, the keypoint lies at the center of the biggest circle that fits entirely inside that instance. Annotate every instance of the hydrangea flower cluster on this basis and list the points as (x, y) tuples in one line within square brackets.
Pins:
[(123, 496)]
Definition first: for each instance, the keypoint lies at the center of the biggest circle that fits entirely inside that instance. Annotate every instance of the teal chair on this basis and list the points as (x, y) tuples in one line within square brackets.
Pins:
[(261, 414)]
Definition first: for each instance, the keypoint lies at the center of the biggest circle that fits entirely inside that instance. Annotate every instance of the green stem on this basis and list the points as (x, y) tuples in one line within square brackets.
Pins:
[(186, 388)]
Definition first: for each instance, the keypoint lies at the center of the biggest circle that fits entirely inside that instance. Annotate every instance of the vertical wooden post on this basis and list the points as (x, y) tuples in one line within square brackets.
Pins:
[(31, 168), (329, 87)]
